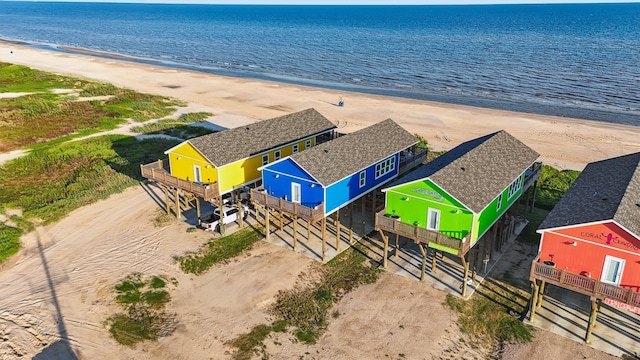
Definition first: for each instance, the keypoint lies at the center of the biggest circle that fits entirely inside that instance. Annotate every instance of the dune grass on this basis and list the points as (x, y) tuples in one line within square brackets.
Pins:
[(143, 300), (177, 127), (48, 184), (43, 115), (218, 250), (9, 241)]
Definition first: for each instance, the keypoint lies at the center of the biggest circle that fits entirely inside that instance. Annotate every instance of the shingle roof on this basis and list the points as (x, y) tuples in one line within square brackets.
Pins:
[(346, 155), (231, 145), (476, 171), (605, 190)]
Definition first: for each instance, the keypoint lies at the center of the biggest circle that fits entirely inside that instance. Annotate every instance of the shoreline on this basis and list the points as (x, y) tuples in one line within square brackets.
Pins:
[(565, 143), (527, 107)]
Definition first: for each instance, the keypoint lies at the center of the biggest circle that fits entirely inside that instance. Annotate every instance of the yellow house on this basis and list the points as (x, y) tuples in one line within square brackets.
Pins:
[(230, 159)]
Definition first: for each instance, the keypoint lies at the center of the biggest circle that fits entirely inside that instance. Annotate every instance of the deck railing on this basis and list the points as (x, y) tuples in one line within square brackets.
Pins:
[(531, 175), (394, 225), (260, 196), (158, 171), (410, 162), (583, 284)]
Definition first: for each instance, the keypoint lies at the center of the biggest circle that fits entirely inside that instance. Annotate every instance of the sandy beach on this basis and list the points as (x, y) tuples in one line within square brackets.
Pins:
[(562, 142), (58, 290)]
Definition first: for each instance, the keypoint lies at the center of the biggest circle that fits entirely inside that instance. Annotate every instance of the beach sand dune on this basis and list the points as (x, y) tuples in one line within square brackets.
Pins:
[(562, 142)]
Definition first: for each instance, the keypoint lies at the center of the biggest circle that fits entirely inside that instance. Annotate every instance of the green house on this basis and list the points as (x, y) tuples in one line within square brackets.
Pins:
[(451, 202)]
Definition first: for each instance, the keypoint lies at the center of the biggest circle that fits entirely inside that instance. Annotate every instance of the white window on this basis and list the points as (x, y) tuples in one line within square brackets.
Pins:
[(265, 159), (276, 155), (307, 144), (433, 219), (515, 187), (197, 175), (499, 202), (294, 149), (363, 177), (295, 192), (386, 166), (612, 270)]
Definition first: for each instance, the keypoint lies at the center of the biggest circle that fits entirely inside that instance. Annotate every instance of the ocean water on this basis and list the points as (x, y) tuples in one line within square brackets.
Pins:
[(577, 60)]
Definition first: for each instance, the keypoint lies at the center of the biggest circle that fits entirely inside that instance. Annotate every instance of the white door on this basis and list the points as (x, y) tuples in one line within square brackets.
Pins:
[(295, 192), (433, 219), (197, 176), (612, 270)]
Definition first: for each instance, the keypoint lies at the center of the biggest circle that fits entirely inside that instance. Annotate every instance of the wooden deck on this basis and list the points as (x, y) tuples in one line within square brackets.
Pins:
[(409, 163), (582, 284), (531, 175), (419, 234), (158, 171), (259, 196)]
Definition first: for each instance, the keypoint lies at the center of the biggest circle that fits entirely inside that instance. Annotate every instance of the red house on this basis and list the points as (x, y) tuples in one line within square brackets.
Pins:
[(590, 241)]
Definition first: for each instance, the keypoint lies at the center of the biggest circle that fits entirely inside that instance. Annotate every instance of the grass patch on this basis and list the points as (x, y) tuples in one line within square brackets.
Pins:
[(306, 307), (552, 184), (44, 116), (48, 184), (493, 316), (218, 250), (144, 317), (177, 127), (9, 241), (535, 218)]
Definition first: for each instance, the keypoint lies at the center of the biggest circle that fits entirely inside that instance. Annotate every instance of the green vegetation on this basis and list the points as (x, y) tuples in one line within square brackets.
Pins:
[(493, 315), (48, 184), (9, 241), (422, 142), (306, 308), (529, 234), (44, 115), (552, 184), (218, 250), (253, 343), (144, 301), (177, 127)]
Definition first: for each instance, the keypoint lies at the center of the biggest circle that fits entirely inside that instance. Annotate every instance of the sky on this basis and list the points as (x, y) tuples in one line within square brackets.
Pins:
[(355, 2)]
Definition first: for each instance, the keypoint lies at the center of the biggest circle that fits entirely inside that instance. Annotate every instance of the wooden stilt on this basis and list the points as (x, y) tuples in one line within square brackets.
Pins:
[(543, 284), (362, 215), (385, 251), (492, 241), (295, 233), (535, 189), (221, 207), (309, 224), (373, 210), (166, 200), (535, 291), (465, 263), (240, 208), (434, 254), (595, 306), (281, 219), (423, 250), (351, 223), (324, 239), (198, 206), (395, 255), (475, 264), (266, 223), (177, 199), (338, 230)]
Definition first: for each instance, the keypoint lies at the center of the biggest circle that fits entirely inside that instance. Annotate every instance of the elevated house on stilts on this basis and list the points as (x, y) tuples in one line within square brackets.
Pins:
[(590, 241), (317, 183), (213, 165), (460, 200)]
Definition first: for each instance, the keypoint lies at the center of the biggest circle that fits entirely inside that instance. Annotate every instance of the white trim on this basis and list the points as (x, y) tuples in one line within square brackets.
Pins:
[(365, 168), (310, 141), (351, 200), (439, 188), (431, 211), (295, 148), (166, 152), (262, 159), (383, 166), (362, 182), (199, 173), (291, 176), (423, 199), (293, 193), (605, 269), (277, 155)]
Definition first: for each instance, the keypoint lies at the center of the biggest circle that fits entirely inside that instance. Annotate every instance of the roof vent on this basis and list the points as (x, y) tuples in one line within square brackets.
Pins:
[(462, 168), (605, 199), (247, 128), (638, 204)]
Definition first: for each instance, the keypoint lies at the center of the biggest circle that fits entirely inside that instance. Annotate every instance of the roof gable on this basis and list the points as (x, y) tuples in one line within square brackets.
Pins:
[(231, 145), (290, 167), (605, 190), (344, 156), (477, 171)]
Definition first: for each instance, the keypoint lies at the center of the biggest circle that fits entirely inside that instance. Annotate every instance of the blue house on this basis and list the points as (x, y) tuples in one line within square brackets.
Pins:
[(331, 175)]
